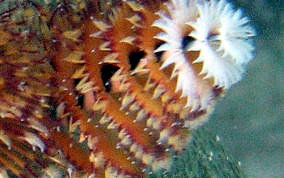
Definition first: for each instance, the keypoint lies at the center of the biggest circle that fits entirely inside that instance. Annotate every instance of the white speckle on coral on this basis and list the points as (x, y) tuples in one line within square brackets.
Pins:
[(5, 139), (34, 140), (3, 173), (35, 124), (51, 171)]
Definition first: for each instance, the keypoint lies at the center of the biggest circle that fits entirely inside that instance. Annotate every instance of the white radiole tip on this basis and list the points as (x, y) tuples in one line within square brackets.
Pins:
[(220, 34), (223, 37)]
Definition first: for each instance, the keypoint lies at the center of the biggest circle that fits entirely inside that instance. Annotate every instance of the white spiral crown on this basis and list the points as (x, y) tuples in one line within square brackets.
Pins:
[(221, 35)]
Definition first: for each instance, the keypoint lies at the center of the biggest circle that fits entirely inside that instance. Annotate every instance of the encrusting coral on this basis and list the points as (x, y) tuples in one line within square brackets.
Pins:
[(83, 94)]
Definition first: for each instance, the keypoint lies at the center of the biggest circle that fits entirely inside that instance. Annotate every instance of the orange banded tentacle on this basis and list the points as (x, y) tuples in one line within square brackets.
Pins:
[(115, 117), (111, 158)]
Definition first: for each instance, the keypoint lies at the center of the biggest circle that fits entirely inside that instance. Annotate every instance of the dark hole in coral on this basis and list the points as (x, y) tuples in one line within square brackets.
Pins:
[(134, 58), (186, 40), (107, 71), (79, 96), (159, 54), (76, 82), (80, 100), (52, 111), (52, 64)]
